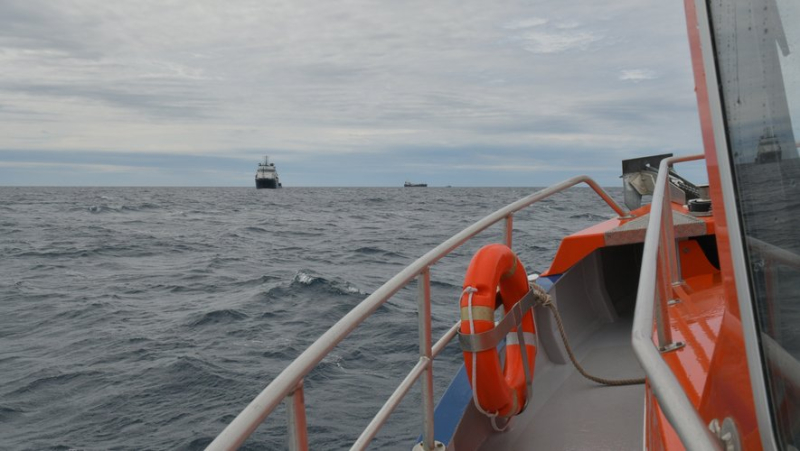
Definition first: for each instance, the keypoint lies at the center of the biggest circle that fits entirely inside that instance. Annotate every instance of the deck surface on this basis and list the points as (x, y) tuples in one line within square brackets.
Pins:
[(569, 412)]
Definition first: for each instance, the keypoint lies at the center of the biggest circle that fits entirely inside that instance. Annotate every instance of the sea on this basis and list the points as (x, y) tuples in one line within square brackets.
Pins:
[(148, 318)]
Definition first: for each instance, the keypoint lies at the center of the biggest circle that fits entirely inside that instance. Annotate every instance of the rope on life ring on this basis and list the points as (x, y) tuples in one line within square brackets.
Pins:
[(498, 392)]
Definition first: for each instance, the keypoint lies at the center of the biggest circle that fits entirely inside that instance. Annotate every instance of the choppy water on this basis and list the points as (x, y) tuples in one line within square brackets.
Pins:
[(147, 318)]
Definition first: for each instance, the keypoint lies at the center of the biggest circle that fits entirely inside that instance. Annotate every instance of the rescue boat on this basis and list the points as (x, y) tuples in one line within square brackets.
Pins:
[(671, 325)]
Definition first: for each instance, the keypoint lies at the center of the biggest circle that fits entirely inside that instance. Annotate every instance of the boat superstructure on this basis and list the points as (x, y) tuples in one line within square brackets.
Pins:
[(266, 175), (696, 294)]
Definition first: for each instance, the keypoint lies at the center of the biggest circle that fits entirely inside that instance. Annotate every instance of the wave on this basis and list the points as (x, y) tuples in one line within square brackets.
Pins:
[(325, 369), (441, 284), (282, 348), (201, 442), (58, 381), (371, 250), (255, 229), (307, 233), (9, 413), (289, 304), (193, 288), (106, 208), (589, 217), (256, 281), (219, 261), (304, 278), (76, 313), (308, 279), (132, 283), (103, 249), (185, 372), (223, 316)]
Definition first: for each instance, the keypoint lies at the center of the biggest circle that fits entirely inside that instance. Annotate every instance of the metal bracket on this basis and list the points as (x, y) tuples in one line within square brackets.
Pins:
[(491, 338), (437, 446), (727, 434), (672, 347)]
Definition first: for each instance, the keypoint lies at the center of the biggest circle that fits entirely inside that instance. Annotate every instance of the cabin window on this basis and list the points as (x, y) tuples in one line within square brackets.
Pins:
[(757, 46)]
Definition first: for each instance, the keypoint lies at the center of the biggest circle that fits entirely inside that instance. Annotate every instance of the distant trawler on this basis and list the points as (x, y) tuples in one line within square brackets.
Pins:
[(267, 176), (415, 185)]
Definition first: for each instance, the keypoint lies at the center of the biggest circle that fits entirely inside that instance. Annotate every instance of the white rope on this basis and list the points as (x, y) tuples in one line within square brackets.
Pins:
[(492, 416)]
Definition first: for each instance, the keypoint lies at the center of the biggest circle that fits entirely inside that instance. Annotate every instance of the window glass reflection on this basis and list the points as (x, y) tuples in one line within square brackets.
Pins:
[(757, 44)]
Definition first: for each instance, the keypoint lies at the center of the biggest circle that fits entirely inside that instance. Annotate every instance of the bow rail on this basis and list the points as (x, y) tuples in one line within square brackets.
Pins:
[(289, 383)]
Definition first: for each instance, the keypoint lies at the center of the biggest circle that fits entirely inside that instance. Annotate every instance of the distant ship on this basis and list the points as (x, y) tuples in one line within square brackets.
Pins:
[(415, 185), (267, 176)]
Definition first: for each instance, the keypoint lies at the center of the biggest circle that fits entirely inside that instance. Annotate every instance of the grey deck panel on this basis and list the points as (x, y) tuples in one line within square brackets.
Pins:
[(580, 414), (634, 231)]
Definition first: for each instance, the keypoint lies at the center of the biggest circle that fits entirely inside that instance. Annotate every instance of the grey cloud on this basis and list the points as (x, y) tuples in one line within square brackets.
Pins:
[(43, 25), (170, 104), (342, 78), (16, 113)]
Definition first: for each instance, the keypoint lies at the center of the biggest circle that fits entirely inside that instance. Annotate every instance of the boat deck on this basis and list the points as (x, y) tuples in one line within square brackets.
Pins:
[(570, 412)]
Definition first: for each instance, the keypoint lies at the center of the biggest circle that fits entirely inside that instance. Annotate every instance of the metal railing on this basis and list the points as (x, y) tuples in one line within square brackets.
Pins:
[(773, 254), (659, 261), (781, 360), (289, 383)]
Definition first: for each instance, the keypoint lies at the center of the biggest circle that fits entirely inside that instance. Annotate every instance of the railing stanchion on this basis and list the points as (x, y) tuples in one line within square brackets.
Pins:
[(662, 293), (425, 343), (296, 411), (508, 231), (668, 230), (666, 252)]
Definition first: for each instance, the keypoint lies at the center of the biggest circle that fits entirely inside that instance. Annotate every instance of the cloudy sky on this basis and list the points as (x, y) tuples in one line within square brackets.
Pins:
[(351, 92)]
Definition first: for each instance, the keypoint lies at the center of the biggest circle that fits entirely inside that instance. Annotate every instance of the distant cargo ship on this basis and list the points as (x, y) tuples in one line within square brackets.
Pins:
[(415, 185), (267, 176)]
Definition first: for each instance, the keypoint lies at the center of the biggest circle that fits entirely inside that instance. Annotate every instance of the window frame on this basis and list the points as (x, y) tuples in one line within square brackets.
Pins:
[(755, 357)]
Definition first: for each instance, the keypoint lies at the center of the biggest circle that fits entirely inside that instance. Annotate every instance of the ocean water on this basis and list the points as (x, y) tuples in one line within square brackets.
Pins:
[(147, 318)]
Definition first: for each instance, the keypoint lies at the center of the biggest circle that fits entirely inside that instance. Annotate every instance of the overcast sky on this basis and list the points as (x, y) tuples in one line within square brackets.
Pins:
[(344, 93)]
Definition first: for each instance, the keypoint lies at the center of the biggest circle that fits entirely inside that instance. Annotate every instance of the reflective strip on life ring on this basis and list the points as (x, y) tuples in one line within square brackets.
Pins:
[(501, 392)]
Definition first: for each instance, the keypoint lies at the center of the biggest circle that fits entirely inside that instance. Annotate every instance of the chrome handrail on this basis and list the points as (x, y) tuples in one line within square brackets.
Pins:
[(668, 391), (289, 381)]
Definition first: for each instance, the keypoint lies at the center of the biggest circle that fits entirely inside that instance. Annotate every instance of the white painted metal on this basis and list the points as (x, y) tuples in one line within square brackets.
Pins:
[(749, 330), (266, 170), (257, 411), (673, 400)]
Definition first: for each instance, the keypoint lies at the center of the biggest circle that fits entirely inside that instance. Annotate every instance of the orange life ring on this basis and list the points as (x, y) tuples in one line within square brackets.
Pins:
[(501, 392)]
